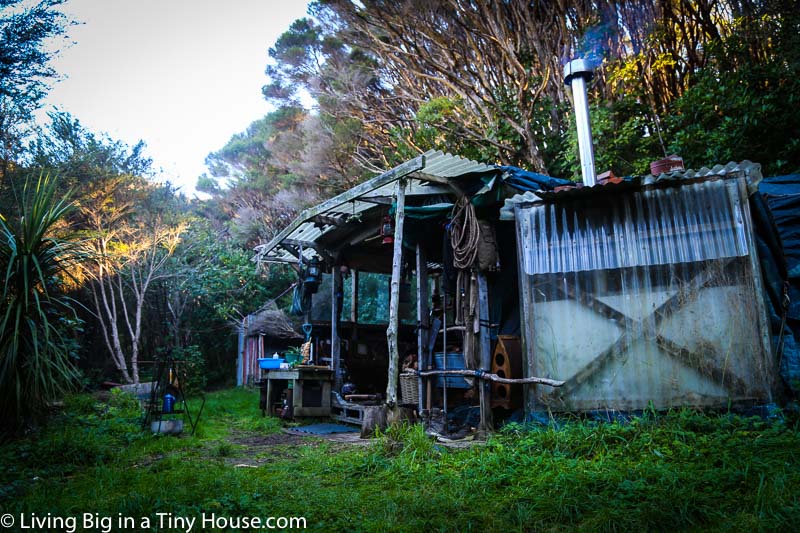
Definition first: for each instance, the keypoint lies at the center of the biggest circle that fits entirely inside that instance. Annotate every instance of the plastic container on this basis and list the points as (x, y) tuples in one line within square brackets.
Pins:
[(455, 361), (168, 404), (167, 427), (270, 363)]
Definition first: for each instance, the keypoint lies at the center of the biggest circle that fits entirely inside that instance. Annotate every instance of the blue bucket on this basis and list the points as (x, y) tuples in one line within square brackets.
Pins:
[(455, 361)]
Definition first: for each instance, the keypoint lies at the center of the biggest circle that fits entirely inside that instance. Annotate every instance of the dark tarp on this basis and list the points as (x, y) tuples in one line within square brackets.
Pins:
[(486, 192), (523, 180), (777, 208), (782, 194)]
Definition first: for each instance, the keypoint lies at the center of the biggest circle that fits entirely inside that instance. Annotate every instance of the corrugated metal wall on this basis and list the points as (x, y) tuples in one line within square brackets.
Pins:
[(648, 296)]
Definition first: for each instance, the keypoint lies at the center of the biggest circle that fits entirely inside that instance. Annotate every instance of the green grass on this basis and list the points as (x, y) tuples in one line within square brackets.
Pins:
[(681, 470)]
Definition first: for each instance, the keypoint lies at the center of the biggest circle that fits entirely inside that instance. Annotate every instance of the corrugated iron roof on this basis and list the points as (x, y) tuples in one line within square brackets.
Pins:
[(446, 165), (305, 231), (747, 169)]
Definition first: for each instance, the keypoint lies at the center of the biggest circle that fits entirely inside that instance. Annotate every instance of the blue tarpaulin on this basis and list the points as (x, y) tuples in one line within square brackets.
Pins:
[(782, 194), (781, 274), (530, 181)]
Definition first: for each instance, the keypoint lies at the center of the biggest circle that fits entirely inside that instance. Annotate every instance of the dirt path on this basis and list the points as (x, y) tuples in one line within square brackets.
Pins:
[(287, 444)]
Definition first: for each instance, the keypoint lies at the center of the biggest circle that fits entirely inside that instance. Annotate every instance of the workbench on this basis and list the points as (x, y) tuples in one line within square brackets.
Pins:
[(311, 389)]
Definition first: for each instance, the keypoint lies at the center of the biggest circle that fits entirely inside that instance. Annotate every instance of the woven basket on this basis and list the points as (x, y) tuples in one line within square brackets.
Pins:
[(409, 388)]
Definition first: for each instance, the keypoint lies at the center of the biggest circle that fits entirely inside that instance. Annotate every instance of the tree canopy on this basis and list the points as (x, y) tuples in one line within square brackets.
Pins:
[(25, 28), (390, 80)]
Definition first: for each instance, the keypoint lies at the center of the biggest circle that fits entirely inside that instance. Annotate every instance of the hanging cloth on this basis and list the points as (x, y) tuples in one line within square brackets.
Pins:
[(467, 315)]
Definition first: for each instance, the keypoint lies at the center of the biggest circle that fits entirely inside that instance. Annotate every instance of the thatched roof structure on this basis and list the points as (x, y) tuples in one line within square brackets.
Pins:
[(272, 322)]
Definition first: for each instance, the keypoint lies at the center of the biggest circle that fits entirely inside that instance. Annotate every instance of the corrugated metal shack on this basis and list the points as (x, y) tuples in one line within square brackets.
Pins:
[(646, 293), (648, 290)]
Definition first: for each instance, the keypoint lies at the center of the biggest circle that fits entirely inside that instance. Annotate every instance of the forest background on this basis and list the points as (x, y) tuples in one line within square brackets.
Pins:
[(103, 267)]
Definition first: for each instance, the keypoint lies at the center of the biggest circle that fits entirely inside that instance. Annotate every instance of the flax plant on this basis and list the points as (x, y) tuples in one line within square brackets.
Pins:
[(38, 258)]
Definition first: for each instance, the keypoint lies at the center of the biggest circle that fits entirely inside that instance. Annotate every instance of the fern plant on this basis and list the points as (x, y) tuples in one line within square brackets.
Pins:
[(37, 258)]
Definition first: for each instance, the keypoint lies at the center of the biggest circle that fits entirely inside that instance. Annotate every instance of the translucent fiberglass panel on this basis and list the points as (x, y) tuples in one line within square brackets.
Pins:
[(696, 222), (650, 297)]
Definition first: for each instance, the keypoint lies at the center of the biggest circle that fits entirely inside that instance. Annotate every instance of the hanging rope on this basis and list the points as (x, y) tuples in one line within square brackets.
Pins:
[(465, 233)]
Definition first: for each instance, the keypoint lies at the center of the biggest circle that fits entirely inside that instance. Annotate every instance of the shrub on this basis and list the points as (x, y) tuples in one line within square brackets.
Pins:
[(36, 260)]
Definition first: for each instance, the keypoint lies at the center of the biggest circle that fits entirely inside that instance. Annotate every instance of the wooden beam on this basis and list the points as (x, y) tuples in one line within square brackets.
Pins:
[(323, 253), (704, 364), (485, 350), (330, 220), (525, 302), (363, 234), (414, 187), (394, 299), (291, 250), (635, 329), (336, 294), (443, 181), (422, 318), (379, 200), (297, 243), (389, 176), (741, 205), (493, 377)]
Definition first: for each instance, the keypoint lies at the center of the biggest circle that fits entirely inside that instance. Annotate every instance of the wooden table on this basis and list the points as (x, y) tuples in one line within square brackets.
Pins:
[(311, 388)]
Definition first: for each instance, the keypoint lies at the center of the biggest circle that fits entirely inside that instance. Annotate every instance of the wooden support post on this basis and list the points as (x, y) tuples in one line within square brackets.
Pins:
[(240, 360), (422, 317), (354, 295), (485, 350), (435, 325), (354, 311), (269, 396), (336, 295), (394, 300), (740, 203), (529, 368)]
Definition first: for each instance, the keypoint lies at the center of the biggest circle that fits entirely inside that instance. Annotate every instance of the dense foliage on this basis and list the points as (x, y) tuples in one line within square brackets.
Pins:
[(25, 28), (162, 274), (710, 81), (38, 323)]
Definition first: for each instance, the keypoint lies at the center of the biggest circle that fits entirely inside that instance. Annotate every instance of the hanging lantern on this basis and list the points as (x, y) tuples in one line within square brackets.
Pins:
[(387, 230), (313, 273)]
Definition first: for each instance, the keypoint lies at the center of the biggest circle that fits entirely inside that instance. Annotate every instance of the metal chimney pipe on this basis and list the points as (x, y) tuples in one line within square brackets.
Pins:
[(576, 73)]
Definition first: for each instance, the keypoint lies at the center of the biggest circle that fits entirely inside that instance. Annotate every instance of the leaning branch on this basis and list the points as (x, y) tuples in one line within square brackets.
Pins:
[(480, 374)]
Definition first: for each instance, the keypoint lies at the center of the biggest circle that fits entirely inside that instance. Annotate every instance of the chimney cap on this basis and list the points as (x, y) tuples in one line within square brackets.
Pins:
[(578, 67)]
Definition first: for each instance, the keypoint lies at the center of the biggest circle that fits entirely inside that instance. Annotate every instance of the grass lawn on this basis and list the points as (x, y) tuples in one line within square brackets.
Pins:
[(682, 470)]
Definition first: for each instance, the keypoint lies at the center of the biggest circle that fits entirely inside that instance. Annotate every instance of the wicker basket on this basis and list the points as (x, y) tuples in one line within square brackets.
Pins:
[(409, 388)]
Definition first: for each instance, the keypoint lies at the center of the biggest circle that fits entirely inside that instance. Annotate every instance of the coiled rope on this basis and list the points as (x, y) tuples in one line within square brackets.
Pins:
[(465, 233)]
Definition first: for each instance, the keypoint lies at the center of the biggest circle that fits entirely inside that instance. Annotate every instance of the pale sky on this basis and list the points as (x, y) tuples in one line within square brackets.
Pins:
[(181, 75)]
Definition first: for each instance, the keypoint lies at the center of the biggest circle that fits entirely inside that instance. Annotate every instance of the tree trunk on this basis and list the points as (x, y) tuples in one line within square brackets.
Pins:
[(108, 308), (135, 338)]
